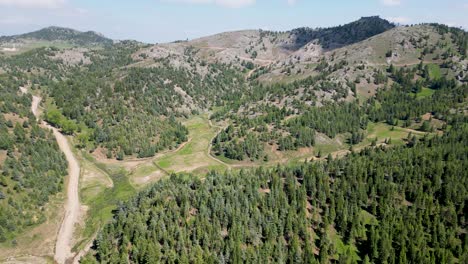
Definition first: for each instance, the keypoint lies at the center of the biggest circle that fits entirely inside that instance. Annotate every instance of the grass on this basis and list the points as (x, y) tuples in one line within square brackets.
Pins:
[(97, 195), (144, 170), (39, 44), (425, 92), (341, 248), (102, 205), (165, 163), (434, 71), (146, 174), (382, 131), (93, 181), (367, 218), (193, 156)]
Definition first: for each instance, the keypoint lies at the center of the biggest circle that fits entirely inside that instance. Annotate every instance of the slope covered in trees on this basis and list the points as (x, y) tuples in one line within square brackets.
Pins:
[(267, 115), (132, 111), (32, 168), (385, 205), (59, 34), (335, 37)]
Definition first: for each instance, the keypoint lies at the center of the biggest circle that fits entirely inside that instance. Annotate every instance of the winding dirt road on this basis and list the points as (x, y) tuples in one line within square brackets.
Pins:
[(63, 245)]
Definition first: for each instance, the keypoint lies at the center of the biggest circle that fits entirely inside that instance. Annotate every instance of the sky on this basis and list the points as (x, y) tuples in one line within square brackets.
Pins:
[(157, 21)]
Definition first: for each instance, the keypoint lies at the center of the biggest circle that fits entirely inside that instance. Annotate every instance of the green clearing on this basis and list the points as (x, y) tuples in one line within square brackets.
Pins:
[(146, 174), (346, 249), (98, 196), (39, 44), (193, 156), (434, 71), (425, 92), (341, 248), (93, 179), (144, 170), (367, 218), (382, 131)]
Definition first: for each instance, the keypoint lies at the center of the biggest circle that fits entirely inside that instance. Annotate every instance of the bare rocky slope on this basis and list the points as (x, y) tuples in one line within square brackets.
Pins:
[(266, 47)]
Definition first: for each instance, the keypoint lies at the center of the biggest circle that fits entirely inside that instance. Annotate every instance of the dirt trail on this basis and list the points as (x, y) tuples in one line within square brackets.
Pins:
[(35, 105), (63, 245), (72, 206), (401, 64)]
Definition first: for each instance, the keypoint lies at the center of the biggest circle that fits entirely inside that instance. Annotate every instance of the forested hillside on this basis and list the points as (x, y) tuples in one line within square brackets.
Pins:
[(335, 37), (132, 110), (358, 134), (31, 165), (384, 205), (265, 117), (58, 35)]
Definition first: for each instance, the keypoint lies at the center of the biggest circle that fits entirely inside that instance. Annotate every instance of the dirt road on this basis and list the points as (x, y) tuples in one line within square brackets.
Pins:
[(63, 245), (72, 206), (35, 104)]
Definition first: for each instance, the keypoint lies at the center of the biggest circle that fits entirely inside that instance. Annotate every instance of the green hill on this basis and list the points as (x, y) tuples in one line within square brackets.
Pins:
[(59, 34)]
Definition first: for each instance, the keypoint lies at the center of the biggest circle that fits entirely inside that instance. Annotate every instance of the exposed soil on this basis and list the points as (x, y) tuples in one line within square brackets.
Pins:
[(63, 245)]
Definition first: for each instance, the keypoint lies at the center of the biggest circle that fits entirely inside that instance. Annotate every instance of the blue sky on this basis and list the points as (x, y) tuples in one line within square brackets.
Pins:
[(167, 20)]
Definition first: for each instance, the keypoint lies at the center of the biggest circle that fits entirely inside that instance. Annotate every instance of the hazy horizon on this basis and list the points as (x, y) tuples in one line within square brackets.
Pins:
[(156, 21)]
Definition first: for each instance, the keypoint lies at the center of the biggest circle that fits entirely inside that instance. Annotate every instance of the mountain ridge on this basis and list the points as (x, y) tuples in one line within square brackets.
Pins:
[(56, 33)]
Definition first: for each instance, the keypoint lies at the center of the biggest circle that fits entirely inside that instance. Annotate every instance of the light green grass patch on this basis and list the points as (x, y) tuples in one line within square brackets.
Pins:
[(425, 92), (164, 163), (100, 209), (434, 71), (383, 131), (193, 156), (341, 248), (367, 218)]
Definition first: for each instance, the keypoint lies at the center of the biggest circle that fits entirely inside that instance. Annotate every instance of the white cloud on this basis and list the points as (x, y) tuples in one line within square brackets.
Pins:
[(391, 2), (224, 3), (399, 20), (32, 3)]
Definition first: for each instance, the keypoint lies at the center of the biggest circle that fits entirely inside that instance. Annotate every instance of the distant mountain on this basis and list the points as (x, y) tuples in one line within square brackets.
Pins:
[(266, 47), (59, 34)]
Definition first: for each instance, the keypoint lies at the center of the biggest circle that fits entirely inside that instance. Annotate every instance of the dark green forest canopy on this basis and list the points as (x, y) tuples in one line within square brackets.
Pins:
[(385, 205)]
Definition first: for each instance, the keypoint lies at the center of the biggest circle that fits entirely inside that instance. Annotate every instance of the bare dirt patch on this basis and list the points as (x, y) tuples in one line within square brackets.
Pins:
[(3, 155), (427, 116), (153, 177), (73, 56), (128, 164), (14, 118)]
